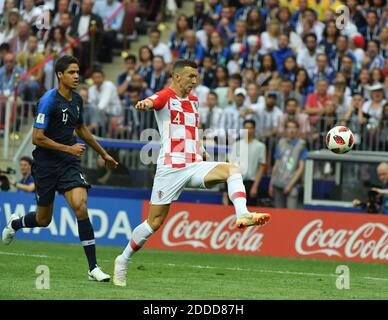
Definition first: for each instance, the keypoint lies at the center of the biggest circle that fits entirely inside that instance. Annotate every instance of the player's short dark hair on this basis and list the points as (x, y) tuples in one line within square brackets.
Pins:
[(251, 121), (180, 64), (291, 121), (64, 62), (27, 159)]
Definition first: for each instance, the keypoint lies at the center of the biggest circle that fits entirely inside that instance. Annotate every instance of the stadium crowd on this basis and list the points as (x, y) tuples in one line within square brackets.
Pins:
[(268, 61)]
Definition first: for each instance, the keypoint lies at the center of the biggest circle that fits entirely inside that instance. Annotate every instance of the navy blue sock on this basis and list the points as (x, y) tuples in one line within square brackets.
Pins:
[(86, 235), (28, 221)]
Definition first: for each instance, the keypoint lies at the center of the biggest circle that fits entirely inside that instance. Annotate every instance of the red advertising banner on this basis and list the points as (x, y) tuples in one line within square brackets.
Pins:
[(290, 233)]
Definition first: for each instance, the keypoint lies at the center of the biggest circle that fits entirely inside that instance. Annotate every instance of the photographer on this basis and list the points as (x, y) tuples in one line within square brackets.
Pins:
[(26, 183), (377, 197)]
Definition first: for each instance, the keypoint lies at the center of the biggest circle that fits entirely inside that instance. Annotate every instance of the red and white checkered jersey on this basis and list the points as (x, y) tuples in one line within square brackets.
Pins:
[(177, 120)]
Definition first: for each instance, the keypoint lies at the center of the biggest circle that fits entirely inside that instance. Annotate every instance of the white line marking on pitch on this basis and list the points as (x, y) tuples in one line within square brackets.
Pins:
[(24, 254), (204, 267)]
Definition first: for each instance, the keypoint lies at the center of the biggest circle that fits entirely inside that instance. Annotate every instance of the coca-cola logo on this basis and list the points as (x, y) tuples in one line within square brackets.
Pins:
[(369, 240), (217, 235)]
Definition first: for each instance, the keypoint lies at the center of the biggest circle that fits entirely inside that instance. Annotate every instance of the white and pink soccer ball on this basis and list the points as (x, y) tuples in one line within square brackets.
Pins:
[(340, 140)]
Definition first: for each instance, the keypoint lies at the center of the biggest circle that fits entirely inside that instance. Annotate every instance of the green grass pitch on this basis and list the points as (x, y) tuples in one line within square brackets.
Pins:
[(155, 274)]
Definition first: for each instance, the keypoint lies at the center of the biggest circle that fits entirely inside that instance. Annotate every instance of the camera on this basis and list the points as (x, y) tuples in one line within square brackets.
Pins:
[(373, 204), (4, 181)]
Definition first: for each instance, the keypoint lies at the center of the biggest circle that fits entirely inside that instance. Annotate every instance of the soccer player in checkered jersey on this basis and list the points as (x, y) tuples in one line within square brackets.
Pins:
[(180, 162)]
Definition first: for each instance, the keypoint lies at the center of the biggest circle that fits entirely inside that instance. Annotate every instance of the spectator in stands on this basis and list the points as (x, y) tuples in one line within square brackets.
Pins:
[(267, 71), (192, 49), (342, 45), (376, 76), (177, 37), (19, 43), (66, 23), (373, 108), (235, 63), (363, 83), (355, 15), (221, 85), (218, 50), (226, 23), (210, 116), (323, 70), (354, 117), (240, 36), (329, 38), (105, 9), (30, 12), (357, 46), (124, 79), (287, 92), (251, 57), (372, 58), (62, 7), (82, 24), (207, 72), (371, 30), (28, 60), (242, 13), (197, 19), (4, 48), (268, 117), (290, 156), (269, 38), (350, 71), (339, 81), (201, 92), (159, 48), (145, 57), (203, 35), (307, 58), (250, 155), (292, 112), (255, 23), (284, 17), (9, 31), (103, 94), (159, 75), (253, 95), (383, 129), (138, 83), (341, 100), (4, 13), (26, 182), (289, 68), (94, 119), (8, 75), (129, 126), (283, 52), (384, 42), (303, 84), (315, 102), (214, 10), (231, 121), (310, 25)]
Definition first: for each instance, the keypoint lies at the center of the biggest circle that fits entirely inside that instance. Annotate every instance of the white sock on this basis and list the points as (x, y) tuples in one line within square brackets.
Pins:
[(139, 236), (237, 194)]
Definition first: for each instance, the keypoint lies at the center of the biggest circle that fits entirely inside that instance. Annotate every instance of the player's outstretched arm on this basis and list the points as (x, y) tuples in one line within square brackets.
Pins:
[(41, 140), (145, 104), (84, 133)]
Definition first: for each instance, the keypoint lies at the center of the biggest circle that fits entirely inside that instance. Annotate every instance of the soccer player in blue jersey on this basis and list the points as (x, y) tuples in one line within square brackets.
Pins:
[(57, 161)]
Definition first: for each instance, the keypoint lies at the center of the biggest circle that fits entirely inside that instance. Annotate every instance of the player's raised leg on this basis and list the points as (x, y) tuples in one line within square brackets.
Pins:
[(41, 219), (77, 199), (237, 194), (140, 235)]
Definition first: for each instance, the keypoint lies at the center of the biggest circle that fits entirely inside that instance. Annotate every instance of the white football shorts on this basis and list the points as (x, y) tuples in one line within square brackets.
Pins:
[(170, 182)]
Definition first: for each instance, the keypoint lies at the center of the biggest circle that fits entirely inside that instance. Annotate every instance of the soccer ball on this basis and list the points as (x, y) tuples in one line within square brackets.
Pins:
[(340, 140)]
